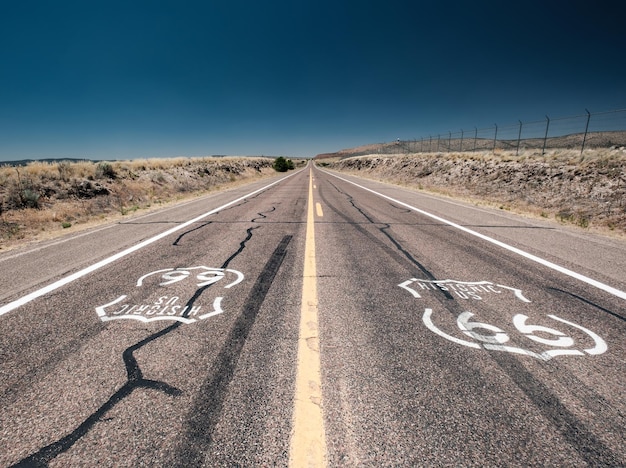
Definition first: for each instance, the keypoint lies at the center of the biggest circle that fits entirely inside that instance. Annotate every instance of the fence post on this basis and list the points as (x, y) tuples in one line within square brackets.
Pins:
[(582, 148), (475, 137), (545, 138), (519, 136), (449, 141), (430, 142), (495, 137), (461, 145), (438, 140)]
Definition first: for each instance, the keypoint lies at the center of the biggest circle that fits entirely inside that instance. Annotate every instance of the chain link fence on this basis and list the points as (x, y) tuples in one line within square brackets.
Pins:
[(589, 130)]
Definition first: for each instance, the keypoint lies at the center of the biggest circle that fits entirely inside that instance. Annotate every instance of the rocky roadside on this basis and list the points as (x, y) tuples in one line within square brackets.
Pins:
[(43, 200), (589, 191)]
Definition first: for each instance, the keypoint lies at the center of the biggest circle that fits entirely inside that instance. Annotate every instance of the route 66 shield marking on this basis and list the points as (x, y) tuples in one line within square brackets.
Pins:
[(488, 336), (167, 295)]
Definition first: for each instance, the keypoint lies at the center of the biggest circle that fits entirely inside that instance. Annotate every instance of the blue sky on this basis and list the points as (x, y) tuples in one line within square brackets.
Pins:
[(120, 80)]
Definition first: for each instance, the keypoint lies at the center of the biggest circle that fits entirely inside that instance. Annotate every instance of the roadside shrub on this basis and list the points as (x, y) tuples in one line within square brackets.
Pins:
[(65, 170), (565, 216), (105, 170), (30, 198), (282, 165), (9, 230), (158, 178)]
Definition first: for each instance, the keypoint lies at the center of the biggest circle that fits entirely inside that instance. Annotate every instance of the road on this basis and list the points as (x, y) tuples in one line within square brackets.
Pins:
[(315, 319)]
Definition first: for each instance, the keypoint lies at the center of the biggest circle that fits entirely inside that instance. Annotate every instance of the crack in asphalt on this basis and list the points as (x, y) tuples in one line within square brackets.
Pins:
[(572, 429), (262, 215), (190, 231), (253, 220), (588, 302), (207, 406), (135, 378), (395, 243)]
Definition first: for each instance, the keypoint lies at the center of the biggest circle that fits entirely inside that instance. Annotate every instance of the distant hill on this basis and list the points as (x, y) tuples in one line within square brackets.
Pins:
[(25, 162), (373, 148)]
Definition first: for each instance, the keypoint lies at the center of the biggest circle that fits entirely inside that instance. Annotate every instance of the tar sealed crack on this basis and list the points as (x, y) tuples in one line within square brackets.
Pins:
[(207, 406), (135, 378), (396, 244)]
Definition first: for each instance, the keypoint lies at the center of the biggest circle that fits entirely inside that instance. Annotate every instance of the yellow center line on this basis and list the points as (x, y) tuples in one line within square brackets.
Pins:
[(308, 444)]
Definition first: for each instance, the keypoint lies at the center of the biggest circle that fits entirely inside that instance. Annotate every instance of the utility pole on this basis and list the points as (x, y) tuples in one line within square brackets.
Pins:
[(545, 138), (495, 137), (582, 148)]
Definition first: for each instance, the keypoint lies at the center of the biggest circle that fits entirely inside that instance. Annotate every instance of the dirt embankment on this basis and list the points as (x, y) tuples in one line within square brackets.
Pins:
[(587, 191), (42, 199)]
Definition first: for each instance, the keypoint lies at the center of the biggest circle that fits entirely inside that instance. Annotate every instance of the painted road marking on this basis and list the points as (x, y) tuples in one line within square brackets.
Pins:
[(495, 340), (102, 228), (318, 210), (534, 258), (167, 304), (492, 337), (308, 445), (96, 266), (464, 289)]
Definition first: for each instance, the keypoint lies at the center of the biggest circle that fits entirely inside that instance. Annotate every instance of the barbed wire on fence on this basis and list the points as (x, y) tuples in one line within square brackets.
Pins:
[(589, 130)]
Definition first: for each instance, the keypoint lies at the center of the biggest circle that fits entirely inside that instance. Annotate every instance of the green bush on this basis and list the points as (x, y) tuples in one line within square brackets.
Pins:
[(283, 165)]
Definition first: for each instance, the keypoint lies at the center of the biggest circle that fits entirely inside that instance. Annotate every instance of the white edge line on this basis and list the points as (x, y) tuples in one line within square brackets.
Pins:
[(554, 266), (90, 269), (95, 230)]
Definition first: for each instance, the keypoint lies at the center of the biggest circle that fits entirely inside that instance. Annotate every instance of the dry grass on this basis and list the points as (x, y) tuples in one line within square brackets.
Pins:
[(44, 199), (589, 191)]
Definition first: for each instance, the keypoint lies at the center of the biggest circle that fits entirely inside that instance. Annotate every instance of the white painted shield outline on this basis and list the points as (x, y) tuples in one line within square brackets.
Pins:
[(405, 285), (599, 347), (207, 269), (217, 303)]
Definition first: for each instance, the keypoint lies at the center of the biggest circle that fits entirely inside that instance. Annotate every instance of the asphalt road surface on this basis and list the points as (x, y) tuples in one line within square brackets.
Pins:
[(322, 319)]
